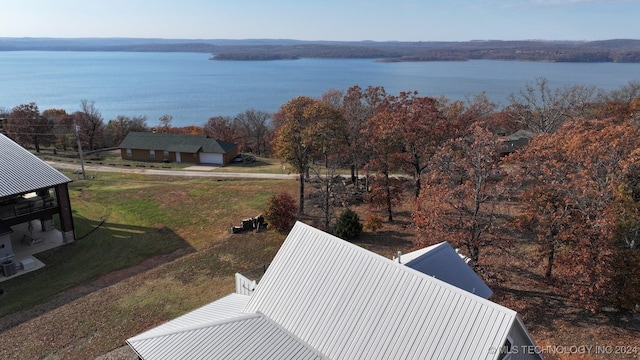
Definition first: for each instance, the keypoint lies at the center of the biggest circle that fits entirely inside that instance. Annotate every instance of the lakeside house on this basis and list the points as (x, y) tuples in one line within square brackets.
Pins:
[(325, 298), (31, 193), (181, 148)]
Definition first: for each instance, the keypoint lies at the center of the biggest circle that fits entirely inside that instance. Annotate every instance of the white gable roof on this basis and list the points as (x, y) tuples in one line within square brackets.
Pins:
[(323, 297), (225, 308), (349, 303), (442, 262), (245, 337)]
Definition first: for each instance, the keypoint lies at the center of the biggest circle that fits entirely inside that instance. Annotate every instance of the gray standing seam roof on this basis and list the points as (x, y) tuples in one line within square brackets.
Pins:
[(442, 262), (22, 172)]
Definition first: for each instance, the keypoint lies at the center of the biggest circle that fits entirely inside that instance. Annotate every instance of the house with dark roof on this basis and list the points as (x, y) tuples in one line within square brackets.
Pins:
[(31, 193), (181, 148), (445, 263), (325, 298), (515, 141)]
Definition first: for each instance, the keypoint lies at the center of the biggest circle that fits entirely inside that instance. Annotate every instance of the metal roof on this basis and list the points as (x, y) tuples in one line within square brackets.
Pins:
[(175, 142), (246, 337), (349, 303), (323, 297), (225, 308), (22, 172), (443, 262)]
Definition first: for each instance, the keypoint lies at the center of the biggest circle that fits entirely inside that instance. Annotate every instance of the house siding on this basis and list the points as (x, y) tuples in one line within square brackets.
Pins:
[(145, 155), (523, 348), (230, 155), (179, 147)]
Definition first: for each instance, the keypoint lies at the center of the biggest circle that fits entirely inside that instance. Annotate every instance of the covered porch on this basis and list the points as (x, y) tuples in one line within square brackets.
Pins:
[(28, 240)]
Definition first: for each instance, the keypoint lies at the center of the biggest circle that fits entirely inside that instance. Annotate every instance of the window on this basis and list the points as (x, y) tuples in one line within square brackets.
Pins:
[(152, 154), (166, 154), (129, 153)]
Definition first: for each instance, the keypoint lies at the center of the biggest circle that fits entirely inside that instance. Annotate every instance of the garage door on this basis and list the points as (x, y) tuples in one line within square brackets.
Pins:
[(209, 158)]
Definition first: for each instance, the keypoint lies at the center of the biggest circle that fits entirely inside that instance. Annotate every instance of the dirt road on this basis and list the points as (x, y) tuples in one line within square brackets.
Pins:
[(188, 173)]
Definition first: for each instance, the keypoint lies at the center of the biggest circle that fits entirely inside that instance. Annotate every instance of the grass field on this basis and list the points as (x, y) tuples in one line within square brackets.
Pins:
[(138, 217)]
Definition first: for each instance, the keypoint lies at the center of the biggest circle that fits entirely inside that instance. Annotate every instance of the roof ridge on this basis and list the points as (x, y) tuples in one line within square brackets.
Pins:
[(145, 336), (405, 268)]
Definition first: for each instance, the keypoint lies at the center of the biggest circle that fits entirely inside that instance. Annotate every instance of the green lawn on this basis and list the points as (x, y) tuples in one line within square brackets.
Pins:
[(129, 218)]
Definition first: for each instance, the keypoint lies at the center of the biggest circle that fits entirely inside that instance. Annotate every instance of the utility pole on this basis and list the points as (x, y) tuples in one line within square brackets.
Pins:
[(84, 175)]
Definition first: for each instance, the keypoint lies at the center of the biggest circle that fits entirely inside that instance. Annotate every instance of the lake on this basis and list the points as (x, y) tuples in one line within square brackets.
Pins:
[(192, 88)]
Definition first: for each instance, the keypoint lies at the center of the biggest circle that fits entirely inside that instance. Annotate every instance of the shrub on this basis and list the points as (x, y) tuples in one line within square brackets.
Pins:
[(348, 225), (281, 212), (373, 223)]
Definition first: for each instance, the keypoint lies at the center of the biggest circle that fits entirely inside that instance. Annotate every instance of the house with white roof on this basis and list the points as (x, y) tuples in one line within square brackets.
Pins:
[(325, 298)]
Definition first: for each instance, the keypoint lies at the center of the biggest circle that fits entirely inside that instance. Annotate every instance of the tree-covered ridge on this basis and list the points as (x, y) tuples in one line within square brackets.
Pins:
[(617, 50)]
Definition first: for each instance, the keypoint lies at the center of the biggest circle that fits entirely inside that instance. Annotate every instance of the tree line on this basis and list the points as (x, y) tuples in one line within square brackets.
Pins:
[(576, 182), (65, 131)]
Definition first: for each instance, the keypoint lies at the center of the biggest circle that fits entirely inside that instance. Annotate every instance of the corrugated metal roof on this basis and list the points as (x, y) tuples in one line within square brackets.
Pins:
[(22, 172), (225, 308), (349, 303), (246, 337), (175, 142), (323, 297), (442, 262)]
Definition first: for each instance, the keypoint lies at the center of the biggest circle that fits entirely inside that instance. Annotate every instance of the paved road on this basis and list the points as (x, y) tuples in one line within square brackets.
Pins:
[(192, 173)]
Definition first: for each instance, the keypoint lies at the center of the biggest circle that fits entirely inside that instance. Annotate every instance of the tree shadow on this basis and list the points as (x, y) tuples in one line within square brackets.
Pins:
[(543, 307), (107, 254)]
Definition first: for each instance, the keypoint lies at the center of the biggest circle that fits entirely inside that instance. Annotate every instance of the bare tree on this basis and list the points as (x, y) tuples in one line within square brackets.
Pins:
[(255, 124), (623, 95), (164, 123), (118, 128), (89, 119), (541, 109)]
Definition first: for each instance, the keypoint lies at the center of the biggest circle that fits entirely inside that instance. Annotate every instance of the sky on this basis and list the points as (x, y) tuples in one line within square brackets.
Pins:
[(334, 20)]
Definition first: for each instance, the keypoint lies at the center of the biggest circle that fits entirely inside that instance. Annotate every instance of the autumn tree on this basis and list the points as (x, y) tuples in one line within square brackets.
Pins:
[(256, 130), (385, 145), (117, 129), (63, 128), (225, 128), (358, 106), (330, 133), (305, 130), (90, 123), (458, 203), (421, 129), (187, 130), (461, 116), (573, 178), (622, 103), (27, 127)]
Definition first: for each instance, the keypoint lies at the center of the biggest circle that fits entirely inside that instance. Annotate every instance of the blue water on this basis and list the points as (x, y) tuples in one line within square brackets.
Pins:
[(192, 88)]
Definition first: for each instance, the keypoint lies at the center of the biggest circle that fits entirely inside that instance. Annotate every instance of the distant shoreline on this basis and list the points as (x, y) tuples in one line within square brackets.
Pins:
[(618, 51)]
